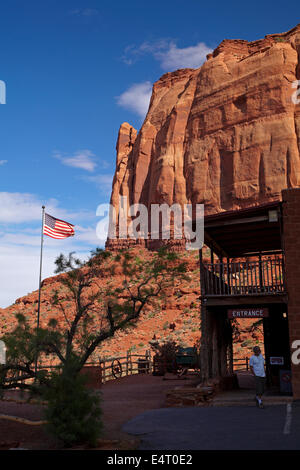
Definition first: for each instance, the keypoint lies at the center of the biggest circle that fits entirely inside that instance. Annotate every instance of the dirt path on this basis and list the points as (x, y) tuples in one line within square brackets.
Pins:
[(122, 399), (130, 396)]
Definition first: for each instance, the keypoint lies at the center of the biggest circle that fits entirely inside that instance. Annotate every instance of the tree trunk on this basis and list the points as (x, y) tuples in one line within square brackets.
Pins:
[(204, 347)]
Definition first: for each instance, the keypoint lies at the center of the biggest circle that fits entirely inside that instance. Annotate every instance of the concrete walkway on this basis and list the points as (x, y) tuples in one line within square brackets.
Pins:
[(246, 398), (214, 428), (246, 393)]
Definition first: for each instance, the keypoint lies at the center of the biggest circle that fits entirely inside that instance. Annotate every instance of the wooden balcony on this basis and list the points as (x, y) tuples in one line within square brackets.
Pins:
[(244, 278)]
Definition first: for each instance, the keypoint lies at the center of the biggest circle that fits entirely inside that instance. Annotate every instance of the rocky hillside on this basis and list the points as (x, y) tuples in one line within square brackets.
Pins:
[(226, 134), (176, 317)]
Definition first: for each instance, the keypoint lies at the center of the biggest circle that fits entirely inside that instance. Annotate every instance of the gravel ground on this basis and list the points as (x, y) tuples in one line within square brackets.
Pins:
[(24, 410)]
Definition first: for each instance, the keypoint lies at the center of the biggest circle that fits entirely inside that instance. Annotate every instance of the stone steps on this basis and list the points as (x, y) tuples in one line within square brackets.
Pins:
[(249, 401)]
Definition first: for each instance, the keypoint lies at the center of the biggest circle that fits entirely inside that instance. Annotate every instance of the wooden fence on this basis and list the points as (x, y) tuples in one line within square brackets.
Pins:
[(116, 367), (241, 364), (122, 366), (111, 368)]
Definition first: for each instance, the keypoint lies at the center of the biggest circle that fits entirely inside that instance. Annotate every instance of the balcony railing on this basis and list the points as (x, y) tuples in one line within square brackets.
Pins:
[(261, 277)]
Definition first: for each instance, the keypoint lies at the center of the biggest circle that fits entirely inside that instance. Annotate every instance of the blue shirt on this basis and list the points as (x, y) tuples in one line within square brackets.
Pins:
[(258, 364)]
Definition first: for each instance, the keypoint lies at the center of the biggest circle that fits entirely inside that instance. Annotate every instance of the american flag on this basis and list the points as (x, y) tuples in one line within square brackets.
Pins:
[(56, 228)]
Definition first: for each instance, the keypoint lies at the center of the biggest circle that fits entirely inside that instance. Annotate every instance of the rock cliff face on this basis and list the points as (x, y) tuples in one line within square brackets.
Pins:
[(226, 134)]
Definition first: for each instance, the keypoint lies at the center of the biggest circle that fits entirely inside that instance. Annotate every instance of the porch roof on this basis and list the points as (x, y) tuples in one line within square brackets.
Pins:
[(246, 231)]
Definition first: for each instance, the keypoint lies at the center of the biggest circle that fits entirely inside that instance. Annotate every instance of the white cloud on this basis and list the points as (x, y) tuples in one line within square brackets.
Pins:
[(168, 54), (187, 57), (84, 159), (20, 256), (20, 246), (19, 238), (103, 182), (2, 162), (136, 98), (88, 235), (83, 235), (133, 53), (20, 208), (19, 272), (84, 12)]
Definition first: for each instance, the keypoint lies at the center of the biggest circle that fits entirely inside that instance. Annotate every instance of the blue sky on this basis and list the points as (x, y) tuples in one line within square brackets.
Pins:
[(74, 71)]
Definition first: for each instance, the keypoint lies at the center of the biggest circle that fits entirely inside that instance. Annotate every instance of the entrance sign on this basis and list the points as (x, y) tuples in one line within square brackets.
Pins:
[(256, 312), (2, 353)]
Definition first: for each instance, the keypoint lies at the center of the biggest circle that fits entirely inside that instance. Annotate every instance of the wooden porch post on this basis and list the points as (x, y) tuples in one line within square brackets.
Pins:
[(205, 333), (230, 350), (228, 276), (225, 342)]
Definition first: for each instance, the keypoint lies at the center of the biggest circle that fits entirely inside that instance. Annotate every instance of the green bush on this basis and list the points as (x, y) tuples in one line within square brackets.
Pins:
[(73, 413)]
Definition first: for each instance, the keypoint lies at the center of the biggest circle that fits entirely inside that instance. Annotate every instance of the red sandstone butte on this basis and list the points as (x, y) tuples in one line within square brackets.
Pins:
[(226, 134)]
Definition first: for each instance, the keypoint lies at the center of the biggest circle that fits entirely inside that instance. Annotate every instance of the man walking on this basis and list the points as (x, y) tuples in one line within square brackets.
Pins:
[(257, 367)]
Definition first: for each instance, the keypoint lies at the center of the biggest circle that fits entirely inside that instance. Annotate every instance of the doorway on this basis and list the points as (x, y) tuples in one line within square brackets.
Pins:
[(277, 349), (271, 334)]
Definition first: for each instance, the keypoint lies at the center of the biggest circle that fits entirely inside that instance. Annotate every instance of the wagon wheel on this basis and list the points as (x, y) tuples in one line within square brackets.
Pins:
[(11, 377), (182, 371), (116, 368)]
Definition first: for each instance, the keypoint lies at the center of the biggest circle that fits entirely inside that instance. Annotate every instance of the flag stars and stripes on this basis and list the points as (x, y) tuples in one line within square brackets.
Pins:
[(56, 228)]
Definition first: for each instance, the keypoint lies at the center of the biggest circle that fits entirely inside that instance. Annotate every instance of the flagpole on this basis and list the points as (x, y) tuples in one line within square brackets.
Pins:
[(41, 266), (40, 278)]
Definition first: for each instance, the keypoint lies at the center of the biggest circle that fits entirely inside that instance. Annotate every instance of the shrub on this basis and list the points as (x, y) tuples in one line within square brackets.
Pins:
[(73, 412)]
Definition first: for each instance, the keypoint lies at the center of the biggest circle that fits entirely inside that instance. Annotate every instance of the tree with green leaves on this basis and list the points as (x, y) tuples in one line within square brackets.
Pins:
[(94, 307)]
